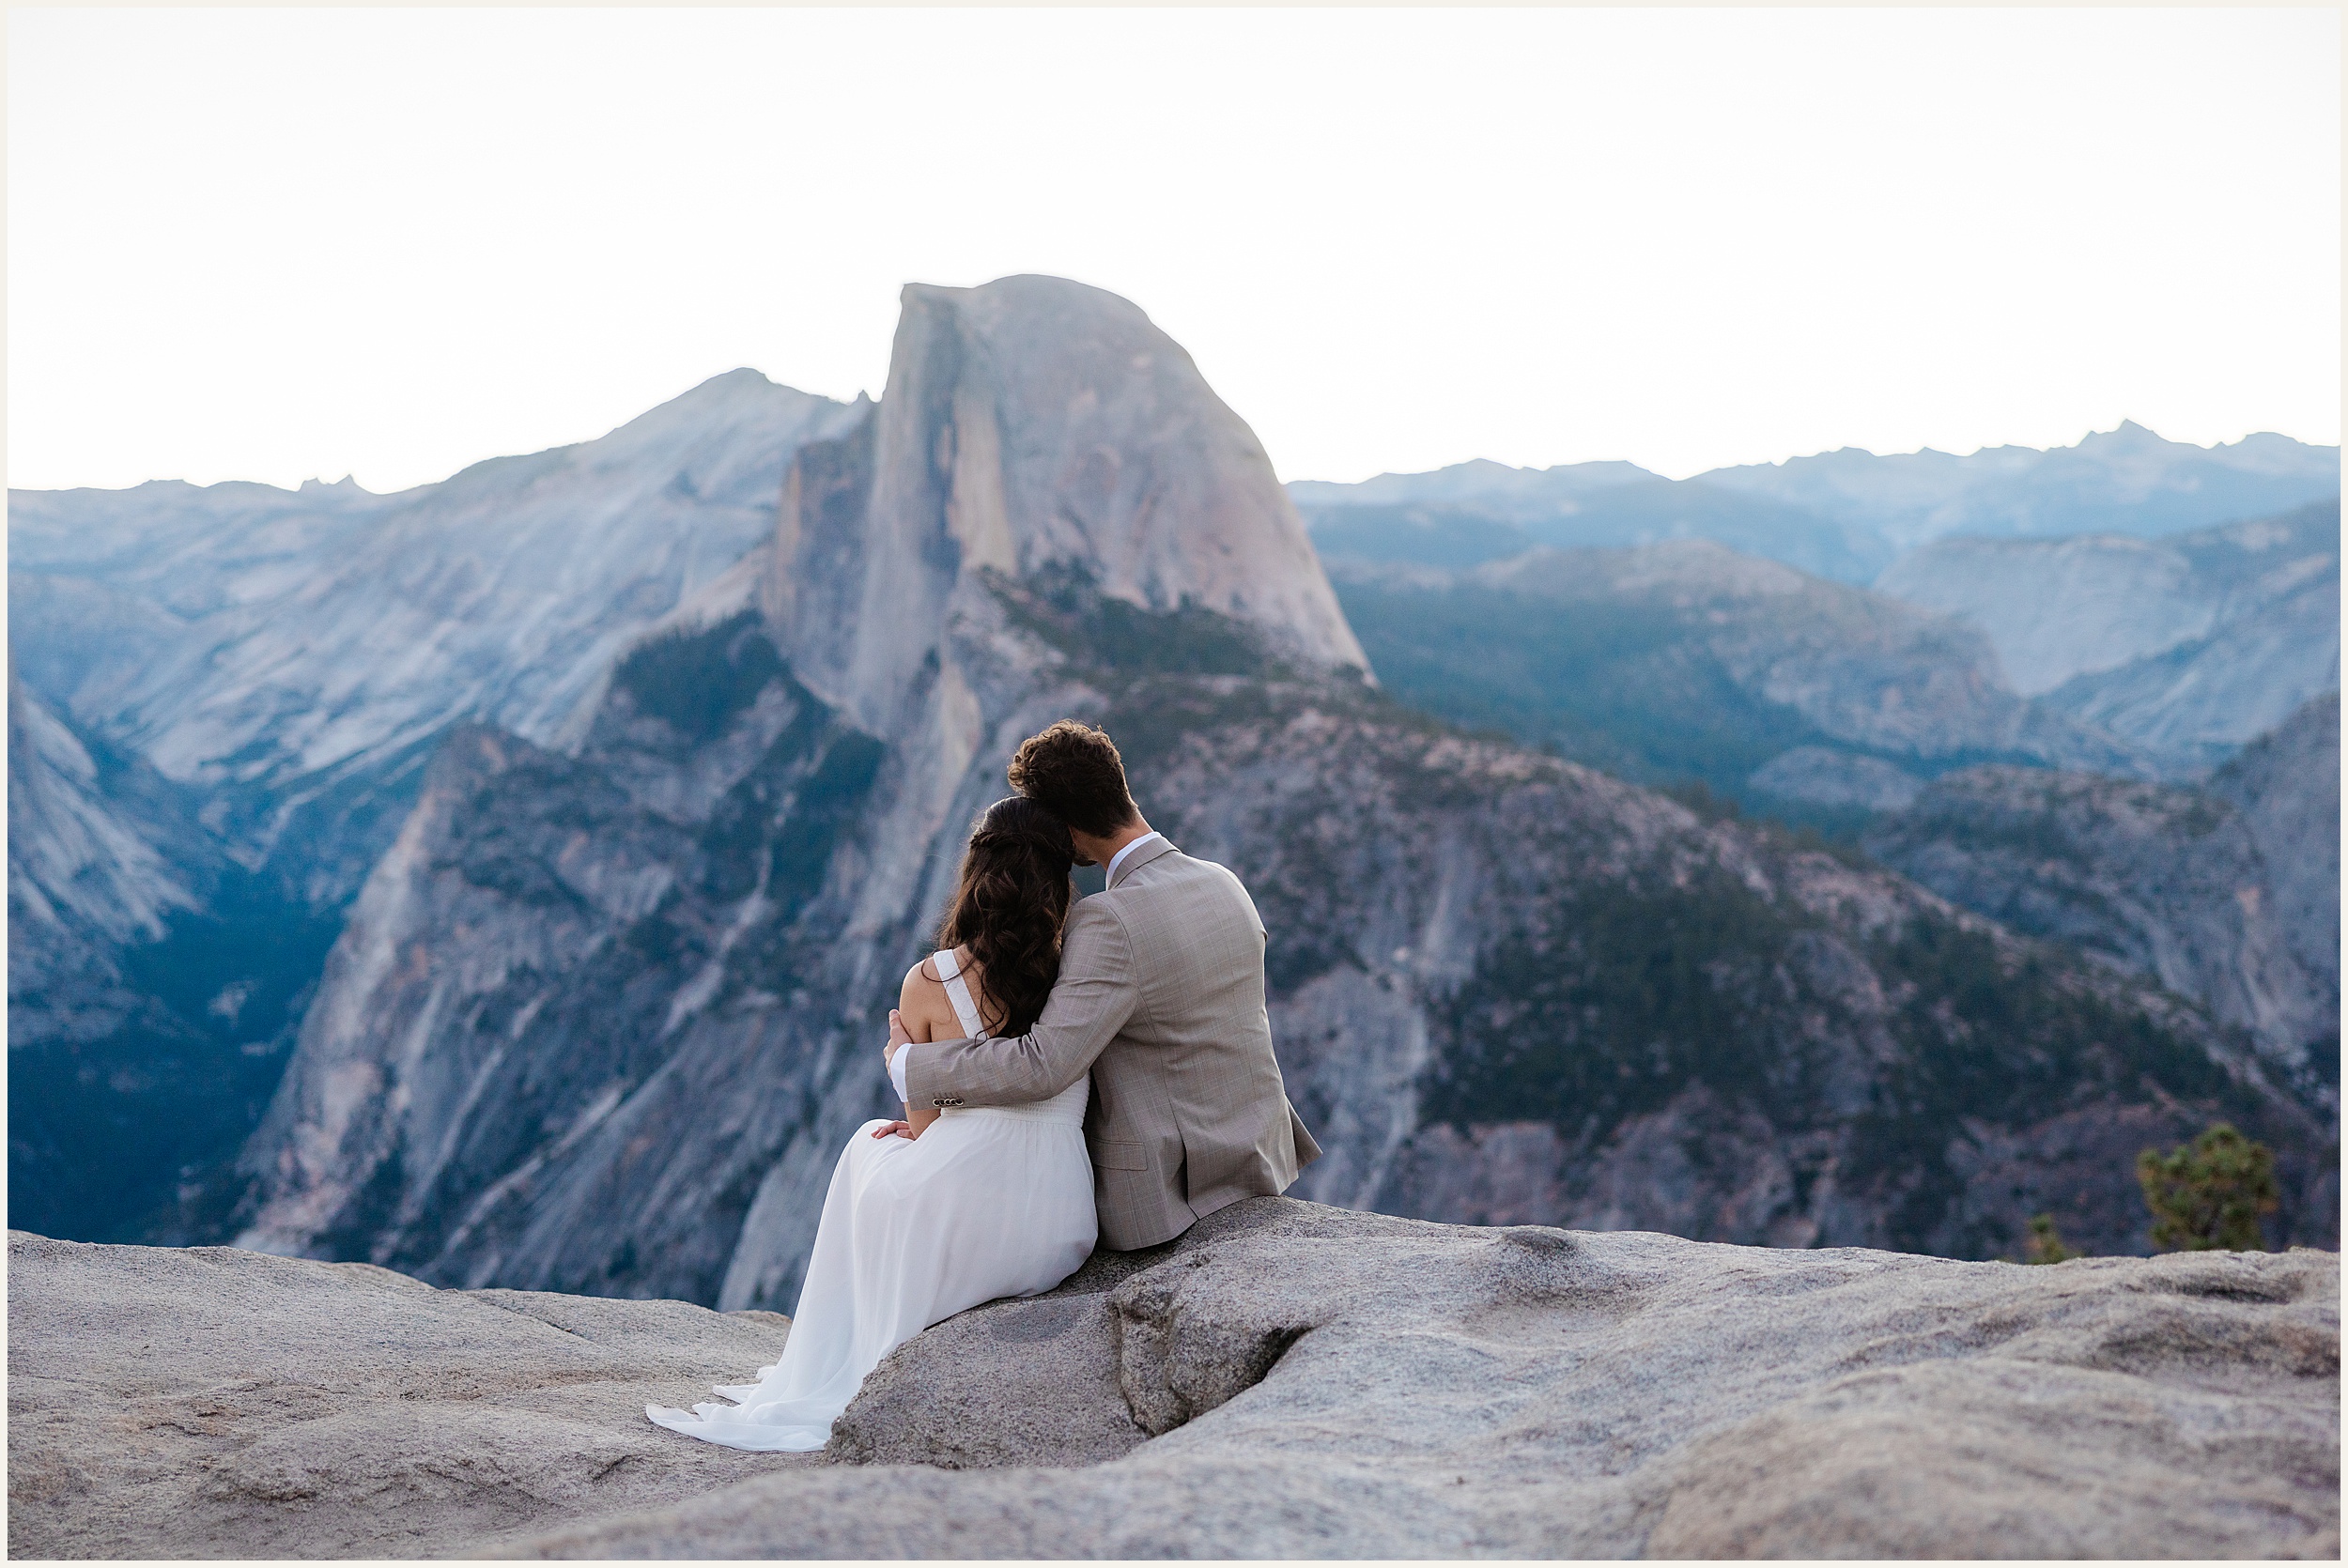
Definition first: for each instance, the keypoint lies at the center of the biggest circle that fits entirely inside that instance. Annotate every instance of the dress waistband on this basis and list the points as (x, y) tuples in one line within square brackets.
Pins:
[(1041, 1111), (1066, 1107)]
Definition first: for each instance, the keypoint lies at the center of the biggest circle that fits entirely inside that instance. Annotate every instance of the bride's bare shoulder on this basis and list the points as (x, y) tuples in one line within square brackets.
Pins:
[(921, 979), (922, 1001)]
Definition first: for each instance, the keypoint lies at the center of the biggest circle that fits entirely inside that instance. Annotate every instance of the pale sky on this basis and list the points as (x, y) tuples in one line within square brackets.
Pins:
[(277, 244)]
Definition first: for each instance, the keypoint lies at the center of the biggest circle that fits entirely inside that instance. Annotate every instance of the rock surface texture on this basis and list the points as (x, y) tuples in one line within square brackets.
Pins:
[(1285, 1381), (217, 1403), (1033, 429)]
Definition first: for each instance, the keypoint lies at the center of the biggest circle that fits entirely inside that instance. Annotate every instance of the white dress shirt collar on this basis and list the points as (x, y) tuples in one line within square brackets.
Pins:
[(1119, 858)]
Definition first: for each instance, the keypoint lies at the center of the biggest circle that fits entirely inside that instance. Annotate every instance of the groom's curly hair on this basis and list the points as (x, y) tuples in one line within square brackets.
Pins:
[(1074, 770)]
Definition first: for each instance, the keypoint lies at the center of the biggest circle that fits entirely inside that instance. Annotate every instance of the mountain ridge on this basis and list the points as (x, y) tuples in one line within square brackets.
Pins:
[(1687, 662), (278, 667), (2187, 646), (875, 690), (1849, 514), (2225, 892), (599, 1017), (604, 1019)]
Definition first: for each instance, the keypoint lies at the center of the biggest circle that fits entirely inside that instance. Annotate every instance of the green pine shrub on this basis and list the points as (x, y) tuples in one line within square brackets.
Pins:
[(2208, 1195)]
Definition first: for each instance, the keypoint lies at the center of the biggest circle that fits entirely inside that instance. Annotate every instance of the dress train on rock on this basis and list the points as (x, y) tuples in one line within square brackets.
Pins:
[(989, 1202)]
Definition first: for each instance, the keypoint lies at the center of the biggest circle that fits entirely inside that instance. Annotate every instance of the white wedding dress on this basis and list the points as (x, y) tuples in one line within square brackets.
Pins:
[(991, 1201)]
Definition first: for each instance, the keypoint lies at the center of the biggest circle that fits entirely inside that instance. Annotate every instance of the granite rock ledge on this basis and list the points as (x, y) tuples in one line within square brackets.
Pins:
[(1287, 1380)]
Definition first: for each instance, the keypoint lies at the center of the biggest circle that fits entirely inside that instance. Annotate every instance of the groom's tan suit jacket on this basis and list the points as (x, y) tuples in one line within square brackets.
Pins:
[(1161, 998)]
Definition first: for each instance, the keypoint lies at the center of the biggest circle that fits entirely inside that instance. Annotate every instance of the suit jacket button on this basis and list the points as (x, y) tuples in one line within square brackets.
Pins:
[(947, 1102)]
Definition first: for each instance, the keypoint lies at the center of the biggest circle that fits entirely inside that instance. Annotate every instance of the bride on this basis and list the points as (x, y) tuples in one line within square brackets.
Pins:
[(945, 1209)]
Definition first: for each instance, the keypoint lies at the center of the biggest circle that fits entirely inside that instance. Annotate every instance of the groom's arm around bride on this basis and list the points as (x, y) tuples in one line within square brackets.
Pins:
[(1160, 997)]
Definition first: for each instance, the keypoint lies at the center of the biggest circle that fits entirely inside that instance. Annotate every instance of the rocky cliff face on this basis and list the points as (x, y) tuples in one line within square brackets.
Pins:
[(1509, 990), (604, 1015), (602, 1023), (1033, 430), (147, 1008), (722, 882), (2228, 894), (85, 879), (582, 991), (2286, 785), (2187, 647), (1285, 1381), (296, 654), (262, 674)]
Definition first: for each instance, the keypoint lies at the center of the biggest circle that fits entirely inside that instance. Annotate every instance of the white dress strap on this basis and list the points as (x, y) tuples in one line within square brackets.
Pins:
[(958, 993)]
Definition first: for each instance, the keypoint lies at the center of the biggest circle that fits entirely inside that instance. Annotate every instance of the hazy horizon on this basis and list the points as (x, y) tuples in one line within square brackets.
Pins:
[(1286, 479)]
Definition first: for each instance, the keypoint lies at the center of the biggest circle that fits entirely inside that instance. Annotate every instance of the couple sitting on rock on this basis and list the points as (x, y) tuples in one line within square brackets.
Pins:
[(1133, 1024)]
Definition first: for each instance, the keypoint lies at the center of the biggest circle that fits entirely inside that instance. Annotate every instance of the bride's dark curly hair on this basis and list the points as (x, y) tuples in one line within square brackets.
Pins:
[(1010, 909)]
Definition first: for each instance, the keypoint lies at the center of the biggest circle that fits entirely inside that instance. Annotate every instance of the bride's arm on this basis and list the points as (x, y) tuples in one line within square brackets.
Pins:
[(914, 1003), (1092, 999)]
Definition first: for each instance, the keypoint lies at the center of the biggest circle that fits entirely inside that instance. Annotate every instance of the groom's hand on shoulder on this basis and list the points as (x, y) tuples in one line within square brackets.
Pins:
[(897, 1036)]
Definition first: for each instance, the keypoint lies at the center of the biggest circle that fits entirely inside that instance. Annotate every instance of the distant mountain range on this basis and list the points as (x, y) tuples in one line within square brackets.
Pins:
[(626, 779), (294, 654), (1685, 662), (1891, 724), (1843, 515), (1690, 662), (232, 691)]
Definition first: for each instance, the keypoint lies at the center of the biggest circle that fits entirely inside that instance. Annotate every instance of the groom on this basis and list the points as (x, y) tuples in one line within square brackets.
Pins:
[(1160, 997)]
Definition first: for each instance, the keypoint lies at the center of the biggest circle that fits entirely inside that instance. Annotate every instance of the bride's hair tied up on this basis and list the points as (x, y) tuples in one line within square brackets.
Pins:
[(1011, 907)]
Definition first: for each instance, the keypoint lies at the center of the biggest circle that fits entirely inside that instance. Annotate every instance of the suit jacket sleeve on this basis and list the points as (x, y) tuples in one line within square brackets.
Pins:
[(1096, 995)]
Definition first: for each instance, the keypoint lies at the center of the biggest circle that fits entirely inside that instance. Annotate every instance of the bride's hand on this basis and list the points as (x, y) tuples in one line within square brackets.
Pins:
[(900, 1130)]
